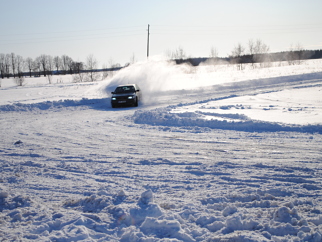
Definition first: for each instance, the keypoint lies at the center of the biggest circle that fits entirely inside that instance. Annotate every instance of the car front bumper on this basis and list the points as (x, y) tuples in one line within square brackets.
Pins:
[(119, 102)]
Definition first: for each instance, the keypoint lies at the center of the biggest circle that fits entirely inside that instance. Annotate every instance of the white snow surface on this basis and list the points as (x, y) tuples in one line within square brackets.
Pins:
[(210, 154)]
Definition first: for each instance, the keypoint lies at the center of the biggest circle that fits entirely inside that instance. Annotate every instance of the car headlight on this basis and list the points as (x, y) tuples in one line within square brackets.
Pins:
[(113, 98), (130, 97)]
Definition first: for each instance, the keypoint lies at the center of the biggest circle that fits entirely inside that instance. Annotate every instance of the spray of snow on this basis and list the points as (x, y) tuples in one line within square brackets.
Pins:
[(154, 77), (157, 75)]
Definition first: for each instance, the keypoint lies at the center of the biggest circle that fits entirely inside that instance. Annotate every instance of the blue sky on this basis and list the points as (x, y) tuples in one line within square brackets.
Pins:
[(114, 31)]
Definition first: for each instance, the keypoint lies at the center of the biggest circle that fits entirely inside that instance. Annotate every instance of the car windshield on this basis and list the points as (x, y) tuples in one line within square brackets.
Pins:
[(125, 89)]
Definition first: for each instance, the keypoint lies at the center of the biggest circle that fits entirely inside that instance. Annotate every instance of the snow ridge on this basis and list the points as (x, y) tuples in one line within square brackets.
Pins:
[(49, 105), (164, 117)]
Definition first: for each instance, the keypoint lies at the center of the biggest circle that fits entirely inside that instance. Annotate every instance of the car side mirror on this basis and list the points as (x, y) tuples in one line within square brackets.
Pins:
[(112, 92), (137, 90)]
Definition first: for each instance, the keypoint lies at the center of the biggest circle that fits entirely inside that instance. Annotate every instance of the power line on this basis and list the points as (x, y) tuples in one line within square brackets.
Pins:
[(71, 39), (79, 37), (238, 26), (74, 31), (205, 30)]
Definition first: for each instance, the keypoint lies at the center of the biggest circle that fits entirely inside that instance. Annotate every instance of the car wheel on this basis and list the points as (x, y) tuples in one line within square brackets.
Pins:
[(136, 102)]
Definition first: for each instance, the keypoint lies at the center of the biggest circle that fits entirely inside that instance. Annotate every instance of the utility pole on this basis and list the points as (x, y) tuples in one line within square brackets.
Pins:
[(148, 41)]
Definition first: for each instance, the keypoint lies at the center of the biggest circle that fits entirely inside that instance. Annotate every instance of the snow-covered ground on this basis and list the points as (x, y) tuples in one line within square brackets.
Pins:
[(211, 154)]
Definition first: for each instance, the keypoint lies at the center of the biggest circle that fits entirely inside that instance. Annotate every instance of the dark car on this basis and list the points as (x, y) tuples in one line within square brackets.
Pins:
[(128, 95)]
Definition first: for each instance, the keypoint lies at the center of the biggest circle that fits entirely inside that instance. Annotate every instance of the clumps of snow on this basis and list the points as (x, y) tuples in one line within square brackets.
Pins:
[(121, 194), (89, 204), (151, 222), (215, 226), (229, 210), (142, 221), (163, 228), (286, 215), (237, 223), (9, 201), (146, 197), (233, 217), (241, 236), (120, 197), (145, 208), (230, 217), (3, 193)]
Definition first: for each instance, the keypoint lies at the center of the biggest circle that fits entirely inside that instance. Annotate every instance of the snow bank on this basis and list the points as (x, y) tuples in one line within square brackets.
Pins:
[(164, 117), (54, 105)]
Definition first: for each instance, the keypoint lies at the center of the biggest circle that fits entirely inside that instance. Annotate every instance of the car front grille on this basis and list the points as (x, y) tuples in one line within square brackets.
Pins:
[(122, 98)]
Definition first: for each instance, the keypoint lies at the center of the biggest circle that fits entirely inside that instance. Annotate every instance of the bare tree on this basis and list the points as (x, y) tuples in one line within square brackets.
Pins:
[(29, 64), (36, 65), (46, 66), (237, 54), (2, 65), (64, 63), (20, 65), (50, 68), (57, 63), (13, 64), (179, 54), (291, 55), (7, 63), (262, 53), (258, 52), (67, 64), (71, 66), (295, 54), (91, 67), (213, 52), (105, 72), (213, 55), (50, 64), (43, 61), (78, 68), (252, 51)]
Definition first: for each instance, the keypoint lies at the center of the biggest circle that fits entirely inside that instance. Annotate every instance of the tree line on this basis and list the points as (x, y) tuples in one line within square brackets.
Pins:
[(259, 53), (16, 66), (12, 65), (255, 52)]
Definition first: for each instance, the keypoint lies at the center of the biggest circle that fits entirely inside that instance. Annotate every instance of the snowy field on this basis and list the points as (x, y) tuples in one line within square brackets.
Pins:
[(211, 154)]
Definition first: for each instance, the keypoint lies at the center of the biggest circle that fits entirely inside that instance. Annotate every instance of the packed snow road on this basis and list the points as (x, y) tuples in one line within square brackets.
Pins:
[(78, 170)]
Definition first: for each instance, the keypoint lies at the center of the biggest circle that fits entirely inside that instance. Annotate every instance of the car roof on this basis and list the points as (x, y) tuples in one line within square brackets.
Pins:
[(125, 85)]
